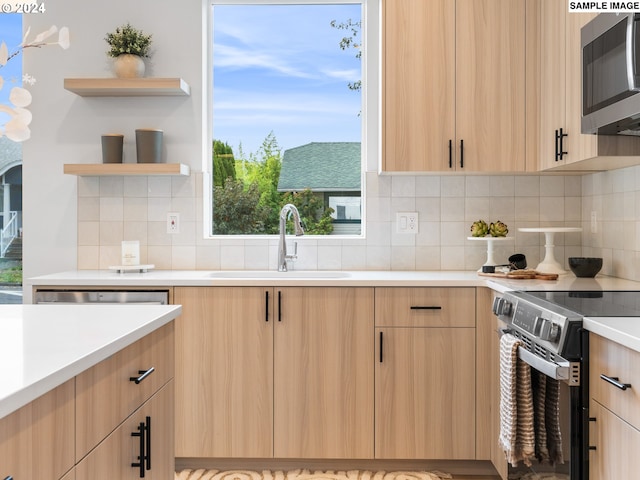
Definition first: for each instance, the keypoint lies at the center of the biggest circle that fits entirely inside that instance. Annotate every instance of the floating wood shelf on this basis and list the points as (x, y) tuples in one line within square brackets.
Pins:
[(127, 87), (119, 169)]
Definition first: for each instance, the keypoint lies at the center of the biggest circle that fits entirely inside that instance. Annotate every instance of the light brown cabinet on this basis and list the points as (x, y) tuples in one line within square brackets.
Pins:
[(425, 373), (453, 85), (562, 145), (274, 372), (140, 447), (614, 410), (36, 441)]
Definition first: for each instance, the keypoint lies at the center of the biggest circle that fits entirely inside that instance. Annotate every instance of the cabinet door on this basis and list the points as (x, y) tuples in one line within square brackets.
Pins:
[(418, 85), (37, 440), (553, 67), (323, 374), (224, 372), (490, 85), (425, 393), (616, 446), (113, 457)]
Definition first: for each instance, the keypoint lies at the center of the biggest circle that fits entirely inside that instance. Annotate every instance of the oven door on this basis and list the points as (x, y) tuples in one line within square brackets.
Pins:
[(571, 415)]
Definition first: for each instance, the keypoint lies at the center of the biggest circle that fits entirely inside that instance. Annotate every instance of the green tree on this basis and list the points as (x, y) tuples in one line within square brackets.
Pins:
[(316, 220), (236, 210), (224, 164)]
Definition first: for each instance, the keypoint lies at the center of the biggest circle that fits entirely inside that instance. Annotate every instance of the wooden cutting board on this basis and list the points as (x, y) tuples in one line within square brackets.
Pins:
[(522, 275)]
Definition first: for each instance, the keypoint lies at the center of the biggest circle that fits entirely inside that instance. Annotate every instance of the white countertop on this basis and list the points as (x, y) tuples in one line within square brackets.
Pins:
[(622, 330), (442, 278), (43, 346)]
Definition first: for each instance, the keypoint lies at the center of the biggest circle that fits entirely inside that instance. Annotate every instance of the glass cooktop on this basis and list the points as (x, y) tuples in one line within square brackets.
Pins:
[(595, 303)]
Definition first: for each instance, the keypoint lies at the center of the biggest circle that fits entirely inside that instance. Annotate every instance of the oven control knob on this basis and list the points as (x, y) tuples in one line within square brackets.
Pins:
[(501, 306), (549, 331)]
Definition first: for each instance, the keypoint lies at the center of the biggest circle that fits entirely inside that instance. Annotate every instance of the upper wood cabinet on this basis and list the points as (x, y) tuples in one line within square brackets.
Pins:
[(453, 85), (562, 145)]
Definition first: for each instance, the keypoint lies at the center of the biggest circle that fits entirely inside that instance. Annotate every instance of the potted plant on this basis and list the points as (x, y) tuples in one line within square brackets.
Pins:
[(128, 46)]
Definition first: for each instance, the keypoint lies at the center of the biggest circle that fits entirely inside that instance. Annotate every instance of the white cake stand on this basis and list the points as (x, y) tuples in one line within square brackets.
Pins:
[(550, 264), (491, 241)]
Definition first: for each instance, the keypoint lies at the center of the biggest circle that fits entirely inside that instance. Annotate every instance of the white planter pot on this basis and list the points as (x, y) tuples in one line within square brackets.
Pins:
[(128, 66)]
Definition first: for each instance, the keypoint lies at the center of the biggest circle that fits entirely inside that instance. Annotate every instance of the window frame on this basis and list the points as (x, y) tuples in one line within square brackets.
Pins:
[(370, 101)]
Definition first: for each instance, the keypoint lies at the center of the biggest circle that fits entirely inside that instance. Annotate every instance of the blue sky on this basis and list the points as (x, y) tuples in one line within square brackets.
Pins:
[(279, 68), (11, 34)]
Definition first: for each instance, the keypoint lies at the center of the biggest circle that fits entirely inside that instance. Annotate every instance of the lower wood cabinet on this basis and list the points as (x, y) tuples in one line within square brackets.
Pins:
[(425, 376), (37, 440), (614, 433), (144, 439), (274, 372)]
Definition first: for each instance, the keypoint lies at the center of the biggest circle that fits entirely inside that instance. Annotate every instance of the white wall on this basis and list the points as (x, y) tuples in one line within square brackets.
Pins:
[(66, 128)]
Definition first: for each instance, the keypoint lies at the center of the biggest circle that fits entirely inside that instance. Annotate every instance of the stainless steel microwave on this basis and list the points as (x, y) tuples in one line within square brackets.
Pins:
[(611, 74)]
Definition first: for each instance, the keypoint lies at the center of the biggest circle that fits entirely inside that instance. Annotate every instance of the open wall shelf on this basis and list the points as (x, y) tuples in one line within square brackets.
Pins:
[(119, 169), (127, 87)]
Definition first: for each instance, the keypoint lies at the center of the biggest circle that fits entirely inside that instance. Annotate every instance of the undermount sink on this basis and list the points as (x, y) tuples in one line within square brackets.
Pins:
[(273, 274)]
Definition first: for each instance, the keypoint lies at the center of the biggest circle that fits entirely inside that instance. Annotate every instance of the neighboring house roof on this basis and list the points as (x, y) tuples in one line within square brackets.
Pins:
[(10, 154), (321, 167)]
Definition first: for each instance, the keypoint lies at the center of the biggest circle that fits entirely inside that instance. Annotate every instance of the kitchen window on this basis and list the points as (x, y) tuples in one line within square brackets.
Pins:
[(288, 121)]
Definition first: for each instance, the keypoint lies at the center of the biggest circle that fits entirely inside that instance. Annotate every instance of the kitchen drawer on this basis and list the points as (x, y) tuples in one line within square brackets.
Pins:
[(106, 395), (113, 458), (614, 360), (425, 307)]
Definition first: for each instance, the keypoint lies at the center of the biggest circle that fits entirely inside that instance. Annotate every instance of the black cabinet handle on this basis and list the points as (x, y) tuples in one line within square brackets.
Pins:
[(560, 153), (266, 306), (615, 381), (461, 153), (9, 478), (143, 374), (148, 439), (450, 153), (279, 306), (141, 434), (425, 307), (557, 153), (380, 347)]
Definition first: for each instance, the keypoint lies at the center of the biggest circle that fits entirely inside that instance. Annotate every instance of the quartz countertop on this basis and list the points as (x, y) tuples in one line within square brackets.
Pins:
[(43, 346), (440, 278), (622, 330)]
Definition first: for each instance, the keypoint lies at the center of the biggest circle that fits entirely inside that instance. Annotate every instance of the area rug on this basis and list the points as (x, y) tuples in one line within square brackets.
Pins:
[(307, 475)]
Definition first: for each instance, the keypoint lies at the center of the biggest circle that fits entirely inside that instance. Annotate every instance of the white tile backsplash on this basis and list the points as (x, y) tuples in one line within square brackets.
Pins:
[(112, 208)]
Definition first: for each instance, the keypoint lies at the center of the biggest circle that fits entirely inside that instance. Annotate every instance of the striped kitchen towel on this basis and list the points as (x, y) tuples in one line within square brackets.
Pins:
[(517, 437)]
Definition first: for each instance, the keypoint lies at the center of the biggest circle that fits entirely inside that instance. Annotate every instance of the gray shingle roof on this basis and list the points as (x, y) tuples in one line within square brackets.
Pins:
[(321, 167), (10, 153)]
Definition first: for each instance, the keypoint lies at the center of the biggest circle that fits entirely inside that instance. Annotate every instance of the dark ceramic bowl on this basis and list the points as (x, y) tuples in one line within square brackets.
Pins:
[(585, 266)]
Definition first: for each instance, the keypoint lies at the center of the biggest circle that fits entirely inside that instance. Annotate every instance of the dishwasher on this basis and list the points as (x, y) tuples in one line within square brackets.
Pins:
[(101, 297)]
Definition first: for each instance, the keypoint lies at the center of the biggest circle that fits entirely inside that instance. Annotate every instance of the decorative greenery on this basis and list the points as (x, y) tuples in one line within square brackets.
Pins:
[(127, 39)]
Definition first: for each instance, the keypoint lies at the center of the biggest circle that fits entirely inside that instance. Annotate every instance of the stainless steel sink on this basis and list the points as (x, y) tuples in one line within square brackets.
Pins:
[(272, 274)]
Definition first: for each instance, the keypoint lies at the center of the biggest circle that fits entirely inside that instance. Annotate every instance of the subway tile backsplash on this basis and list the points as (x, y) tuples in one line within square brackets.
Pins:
[(112, 209)]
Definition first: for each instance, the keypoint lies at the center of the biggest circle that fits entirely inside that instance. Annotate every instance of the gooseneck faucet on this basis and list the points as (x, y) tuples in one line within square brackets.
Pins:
[(287, 211)]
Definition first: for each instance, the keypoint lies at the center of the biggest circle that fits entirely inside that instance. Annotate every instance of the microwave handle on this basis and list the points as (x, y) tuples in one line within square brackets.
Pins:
[(633, 78)]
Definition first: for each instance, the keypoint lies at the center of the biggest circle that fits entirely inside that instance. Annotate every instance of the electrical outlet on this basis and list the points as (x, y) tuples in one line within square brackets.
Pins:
[(594, 222), (407, 222), (173, 223)]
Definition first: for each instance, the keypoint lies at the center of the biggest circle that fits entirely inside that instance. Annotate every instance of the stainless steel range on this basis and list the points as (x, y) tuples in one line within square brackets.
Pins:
[(549, 326)]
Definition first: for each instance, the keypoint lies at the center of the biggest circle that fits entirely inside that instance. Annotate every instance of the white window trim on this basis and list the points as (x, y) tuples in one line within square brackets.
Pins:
[(371, 101)]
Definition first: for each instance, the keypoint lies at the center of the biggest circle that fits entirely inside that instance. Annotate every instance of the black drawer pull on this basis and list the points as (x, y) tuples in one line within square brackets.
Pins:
[(615, 381), (380, 347), (450, 154), (266, 315), (148, 438), (143, 374), (425, 307), (141, 434), (9, 478)]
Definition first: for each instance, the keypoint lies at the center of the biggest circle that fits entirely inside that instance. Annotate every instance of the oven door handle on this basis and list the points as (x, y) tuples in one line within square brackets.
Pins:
[(557, 371)]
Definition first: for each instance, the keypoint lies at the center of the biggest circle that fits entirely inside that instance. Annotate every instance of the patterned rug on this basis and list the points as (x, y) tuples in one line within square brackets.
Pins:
[(307, 475)]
